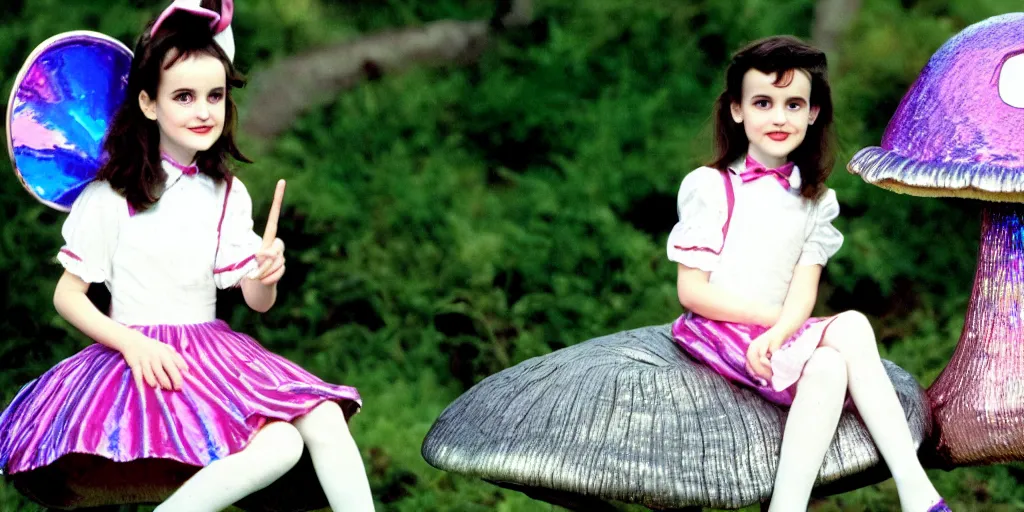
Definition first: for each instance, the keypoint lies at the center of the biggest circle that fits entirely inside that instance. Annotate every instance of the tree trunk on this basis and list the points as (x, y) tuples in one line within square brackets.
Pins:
[(831, 19)]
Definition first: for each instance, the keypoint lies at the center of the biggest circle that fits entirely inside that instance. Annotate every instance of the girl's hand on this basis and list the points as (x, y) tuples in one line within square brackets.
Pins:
[(775, 341), (155, 363), (271, 256), (758, 362), (271, 261)]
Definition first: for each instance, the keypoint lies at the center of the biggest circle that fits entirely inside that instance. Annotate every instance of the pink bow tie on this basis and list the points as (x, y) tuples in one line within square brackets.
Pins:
[(755, 170), (187, 170)]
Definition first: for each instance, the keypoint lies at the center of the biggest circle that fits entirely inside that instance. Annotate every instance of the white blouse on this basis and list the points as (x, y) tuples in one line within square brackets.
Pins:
[(163, 265), (771, 232)]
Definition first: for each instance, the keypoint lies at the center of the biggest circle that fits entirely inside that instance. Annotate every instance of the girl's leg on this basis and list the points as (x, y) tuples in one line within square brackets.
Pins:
[(339, 467), (270, 454), (810, 427), (880, 408)]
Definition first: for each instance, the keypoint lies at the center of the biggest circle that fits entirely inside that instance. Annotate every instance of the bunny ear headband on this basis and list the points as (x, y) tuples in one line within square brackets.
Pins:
[(220, 22)]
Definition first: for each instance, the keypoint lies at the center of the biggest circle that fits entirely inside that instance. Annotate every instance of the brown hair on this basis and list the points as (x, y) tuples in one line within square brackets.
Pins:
[(780, 55), (132, 144)]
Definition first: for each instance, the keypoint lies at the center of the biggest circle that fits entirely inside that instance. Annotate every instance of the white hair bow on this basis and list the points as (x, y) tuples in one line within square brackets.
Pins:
[(220, 22)]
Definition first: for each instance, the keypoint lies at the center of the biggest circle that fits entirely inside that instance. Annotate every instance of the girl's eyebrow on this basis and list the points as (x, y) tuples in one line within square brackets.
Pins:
[(193, 91), (768, 96)]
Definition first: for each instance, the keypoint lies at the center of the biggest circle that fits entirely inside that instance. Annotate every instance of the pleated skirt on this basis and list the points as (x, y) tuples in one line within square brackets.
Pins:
[(723, 347), (89, 404)]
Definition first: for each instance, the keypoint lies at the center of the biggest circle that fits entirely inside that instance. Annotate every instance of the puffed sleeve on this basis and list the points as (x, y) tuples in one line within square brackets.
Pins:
[(90, 232), (823, 239), (697, 239), (237, 243)]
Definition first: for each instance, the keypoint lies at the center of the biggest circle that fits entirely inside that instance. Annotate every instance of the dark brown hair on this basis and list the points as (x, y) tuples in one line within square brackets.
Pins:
[(132, 145), (781, 55)]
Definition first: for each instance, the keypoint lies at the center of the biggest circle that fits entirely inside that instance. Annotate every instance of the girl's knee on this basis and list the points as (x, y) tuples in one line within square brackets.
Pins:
[(852, 322), (325, 424), (851, 334), (280, 444)]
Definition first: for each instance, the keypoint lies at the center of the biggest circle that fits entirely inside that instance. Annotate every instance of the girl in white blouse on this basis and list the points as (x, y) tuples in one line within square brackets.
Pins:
[(167, 389), (754, 230)]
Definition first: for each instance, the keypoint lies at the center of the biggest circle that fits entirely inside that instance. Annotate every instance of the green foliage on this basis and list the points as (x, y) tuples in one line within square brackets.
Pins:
[(443, 225)]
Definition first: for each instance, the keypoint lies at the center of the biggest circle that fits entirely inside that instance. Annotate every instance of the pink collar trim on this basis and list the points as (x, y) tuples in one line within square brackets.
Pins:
[(187, 170)]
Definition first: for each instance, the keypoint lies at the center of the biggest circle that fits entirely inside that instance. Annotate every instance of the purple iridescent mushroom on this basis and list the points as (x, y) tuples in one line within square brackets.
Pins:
[(959, 132)]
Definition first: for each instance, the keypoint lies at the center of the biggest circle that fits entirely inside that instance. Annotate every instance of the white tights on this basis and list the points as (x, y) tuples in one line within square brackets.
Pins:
[(848, 360), (271, 453)]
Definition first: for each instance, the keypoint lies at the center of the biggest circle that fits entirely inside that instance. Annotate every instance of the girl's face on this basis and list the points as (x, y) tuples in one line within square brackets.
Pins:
[(189, 105), (774, 117)]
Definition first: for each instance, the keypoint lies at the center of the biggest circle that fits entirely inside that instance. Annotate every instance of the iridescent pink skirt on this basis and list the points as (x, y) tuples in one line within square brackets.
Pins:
[(89, 404), (723, 347)]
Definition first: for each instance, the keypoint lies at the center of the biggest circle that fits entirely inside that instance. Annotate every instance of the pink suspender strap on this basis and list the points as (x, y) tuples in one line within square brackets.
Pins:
[(223, 211), (730, 198), (730, 201)]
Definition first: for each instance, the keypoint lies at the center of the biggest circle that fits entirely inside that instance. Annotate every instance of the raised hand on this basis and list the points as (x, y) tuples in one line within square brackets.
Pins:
[(271, 254)]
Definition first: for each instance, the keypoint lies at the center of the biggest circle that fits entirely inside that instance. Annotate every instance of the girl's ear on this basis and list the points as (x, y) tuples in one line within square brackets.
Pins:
[(814, 114), (147, 105), (737, 112)]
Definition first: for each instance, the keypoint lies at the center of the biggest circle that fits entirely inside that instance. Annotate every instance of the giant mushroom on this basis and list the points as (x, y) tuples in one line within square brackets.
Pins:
[(959, 132), (631, 417)]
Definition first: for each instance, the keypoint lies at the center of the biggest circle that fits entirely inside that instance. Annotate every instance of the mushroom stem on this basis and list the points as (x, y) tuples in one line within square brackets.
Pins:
[(978, 400)]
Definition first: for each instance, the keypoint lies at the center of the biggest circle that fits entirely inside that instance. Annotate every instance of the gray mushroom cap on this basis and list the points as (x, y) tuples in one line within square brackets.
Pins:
[(630, 417)]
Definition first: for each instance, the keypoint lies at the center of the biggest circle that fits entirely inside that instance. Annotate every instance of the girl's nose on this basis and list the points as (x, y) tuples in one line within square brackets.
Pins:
[(779, 116), (202, 110)]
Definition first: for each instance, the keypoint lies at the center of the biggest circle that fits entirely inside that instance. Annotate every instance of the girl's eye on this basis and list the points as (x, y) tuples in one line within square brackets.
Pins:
[(184, 97), (761, 103), (795, 106), (216, 97)]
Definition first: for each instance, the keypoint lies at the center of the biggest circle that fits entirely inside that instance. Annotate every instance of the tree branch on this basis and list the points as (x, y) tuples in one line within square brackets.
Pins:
[(299, 83)]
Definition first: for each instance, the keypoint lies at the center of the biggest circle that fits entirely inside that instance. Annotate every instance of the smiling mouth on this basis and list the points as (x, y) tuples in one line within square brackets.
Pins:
[(201, 129), (778, 136)]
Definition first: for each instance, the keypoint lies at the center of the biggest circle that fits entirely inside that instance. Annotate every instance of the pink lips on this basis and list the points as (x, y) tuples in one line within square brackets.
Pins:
[(778, 136), (202, 130)]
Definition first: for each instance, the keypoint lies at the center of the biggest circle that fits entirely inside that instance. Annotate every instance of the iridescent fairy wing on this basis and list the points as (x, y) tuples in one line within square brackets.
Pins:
[(63, 100)]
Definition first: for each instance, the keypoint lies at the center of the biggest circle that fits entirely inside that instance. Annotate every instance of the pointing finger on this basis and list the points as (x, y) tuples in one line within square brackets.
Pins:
[(275, 211)]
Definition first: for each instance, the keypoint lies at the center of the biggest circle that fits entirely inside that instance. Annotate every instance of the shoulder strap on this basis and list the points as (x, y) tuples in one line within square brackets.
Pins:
[(224, 208), (730, 200)]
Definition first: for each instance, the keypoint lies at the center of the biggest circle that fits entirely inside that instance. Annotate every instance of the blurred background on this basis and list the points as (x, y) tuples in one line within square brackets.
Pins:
[(470, 189)]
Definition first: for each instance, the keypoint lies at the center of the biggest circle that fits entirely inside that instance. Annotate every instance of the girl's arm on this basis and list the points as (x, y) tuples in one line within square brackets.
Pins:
[(260, 291), (700, 296), (803, 292), (150, 360), (259, 296)]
